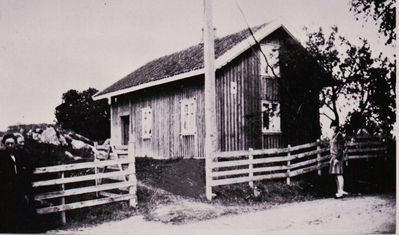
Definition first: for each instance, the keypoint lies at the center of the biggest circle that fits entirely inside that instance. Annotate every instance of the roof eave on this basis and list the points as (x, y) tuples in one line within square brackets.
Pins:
[(149, 84)]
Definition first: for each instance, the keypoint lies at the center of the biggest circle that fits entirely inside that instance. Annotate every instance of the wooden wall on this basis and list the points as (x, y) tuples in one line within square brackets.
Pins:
[(166, 141), (270, 90), (239, 114)]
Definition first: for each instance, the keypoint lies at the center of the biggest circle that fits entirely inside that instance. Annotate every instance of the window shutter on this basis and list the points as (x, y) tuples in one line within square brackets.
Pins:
[(188, 114), (146, 122)]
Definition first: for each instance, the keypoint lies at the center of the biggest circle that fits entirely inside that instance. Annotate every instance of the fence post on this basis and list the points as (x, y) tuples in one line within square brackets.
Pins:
[(289, 165), (346, 156), (132, 176), (385, 142), (208, 177), (251, 168), (62, 200), (318, 157), (95, 168)]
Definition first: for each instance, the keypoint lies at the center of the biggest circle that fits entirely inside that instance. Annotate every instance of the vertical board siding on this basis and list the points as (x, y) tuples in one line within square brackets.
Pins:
[(187, 146), (239, 115), (271, 141), (166, 141), (270, 89)]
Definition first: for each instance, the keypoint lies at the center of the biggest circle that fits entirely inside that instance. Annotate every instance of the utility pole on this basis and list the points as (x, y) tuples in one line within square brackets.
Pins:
[(211, 138)]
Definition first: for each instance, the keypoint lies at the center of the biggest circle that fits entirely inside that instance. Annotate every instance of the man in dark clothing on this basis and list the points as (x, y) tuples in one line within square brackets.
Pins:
[(26, 165), (15, 187)]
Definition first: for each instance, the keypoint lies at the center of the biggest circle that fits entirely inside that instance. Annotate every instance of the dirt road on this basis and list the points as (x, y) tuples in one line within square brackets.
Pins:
[(351, 215)]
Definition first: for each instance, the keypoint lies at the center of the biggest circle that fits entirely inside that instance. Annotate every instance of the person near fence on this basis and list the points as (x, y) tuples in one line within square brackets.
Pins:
[(337, 159), (14, 189), (20, 142), (27, 167)]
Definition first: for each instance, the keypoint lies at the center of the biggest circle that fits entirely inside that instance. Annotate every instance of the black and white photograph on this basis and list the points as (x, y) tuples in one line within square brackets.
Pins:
[(198, 117)]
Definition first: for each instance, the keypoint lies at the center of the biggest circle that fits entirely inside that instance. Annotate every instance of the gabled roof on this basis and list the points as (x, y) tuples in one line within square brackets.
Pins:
[(190, 62)]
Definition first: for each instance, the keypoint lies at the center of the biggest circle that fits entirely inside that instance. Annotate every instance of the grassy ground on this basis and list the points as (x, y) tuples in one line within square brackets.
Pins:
[(184, 177)]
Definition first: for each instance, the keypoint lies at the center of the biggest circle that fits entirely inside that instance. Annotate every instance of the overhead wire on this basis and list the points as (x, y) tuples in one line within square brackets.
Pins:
[(258, 45), (254, 38)]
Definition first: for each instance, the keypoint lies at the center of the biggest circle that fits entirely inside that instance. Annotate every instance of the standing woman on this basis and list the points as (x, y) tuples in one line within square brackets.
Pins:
[(336, 161)]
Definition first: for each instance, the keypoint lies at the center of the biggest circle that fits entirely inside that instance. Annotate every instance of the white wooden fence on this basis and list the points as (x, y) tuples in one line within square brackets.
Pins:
[(120, 166), (254, 165)]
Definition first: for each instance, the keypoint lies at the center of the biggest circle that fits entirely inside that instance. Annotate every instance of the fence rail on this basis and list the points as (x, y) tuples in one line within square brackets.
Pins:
[(248, 166), (69, 180)]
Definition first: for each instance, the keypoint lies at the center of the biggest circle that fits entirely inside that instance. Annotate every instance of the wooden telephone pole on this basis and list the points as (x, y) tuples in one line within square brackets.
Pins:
[(211, 138)]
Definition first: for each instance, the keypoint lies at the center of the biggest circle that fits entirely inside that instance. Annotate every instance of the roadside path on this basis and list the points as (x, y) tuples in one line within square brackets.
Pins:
[(352, 215)]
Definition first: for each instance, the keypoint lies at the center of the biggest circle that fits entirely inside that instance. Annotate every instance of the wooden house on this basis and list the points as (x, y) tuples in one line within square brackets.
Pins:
[(160, 106)]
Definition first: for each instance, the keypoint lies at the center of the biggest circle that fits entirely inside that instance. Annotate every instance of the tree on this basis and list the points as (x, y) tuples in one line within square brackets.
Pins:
[(81, 114), (383, 13), (324, 49), (363, 83), (375, 93)]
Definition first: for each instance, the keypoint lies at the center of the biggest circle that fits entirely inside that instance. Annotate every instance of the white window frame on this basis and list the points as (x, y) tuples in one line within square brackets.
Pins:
[(271, 50), (188, 112), (146, 123), (274, 120)]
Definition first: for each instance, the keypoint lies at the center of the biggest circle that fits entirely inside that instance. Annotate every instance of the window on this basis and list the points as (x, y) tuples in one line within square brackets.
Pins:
[(188, 110), (271, 52), (146, 123), (270, 117), (125, 124)]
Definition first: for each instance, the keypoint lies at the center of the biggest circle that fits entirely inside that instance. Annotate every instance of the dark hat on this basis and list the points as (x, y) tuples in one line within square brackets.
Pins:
[(7, 136)]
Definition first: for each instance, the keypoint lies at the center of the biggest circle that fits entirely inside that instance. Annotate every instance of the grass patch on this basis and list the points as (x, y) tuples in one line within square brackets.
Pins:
[(271, 192), (184, 177)]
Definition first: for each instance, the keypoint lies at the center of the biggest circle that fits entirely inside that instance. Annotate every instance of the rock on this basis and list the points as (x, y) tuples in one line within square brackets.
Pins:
[(71, 156), (257, 192), (36, 136), (68, 154), (68, 137), (78, 144), (62, 140), (49, 136), (80, 137), (29, 134), (77, 158)]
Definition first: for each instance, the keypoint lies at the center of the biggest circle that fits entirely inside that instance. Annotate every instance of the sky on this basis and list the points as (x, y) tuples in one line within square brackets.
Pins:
[(48, 47)]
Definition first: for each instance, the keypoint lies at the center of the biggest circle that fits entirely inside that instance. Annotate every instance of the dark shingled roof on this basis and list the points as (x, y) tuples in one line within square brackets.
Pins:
[(183, 61)]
